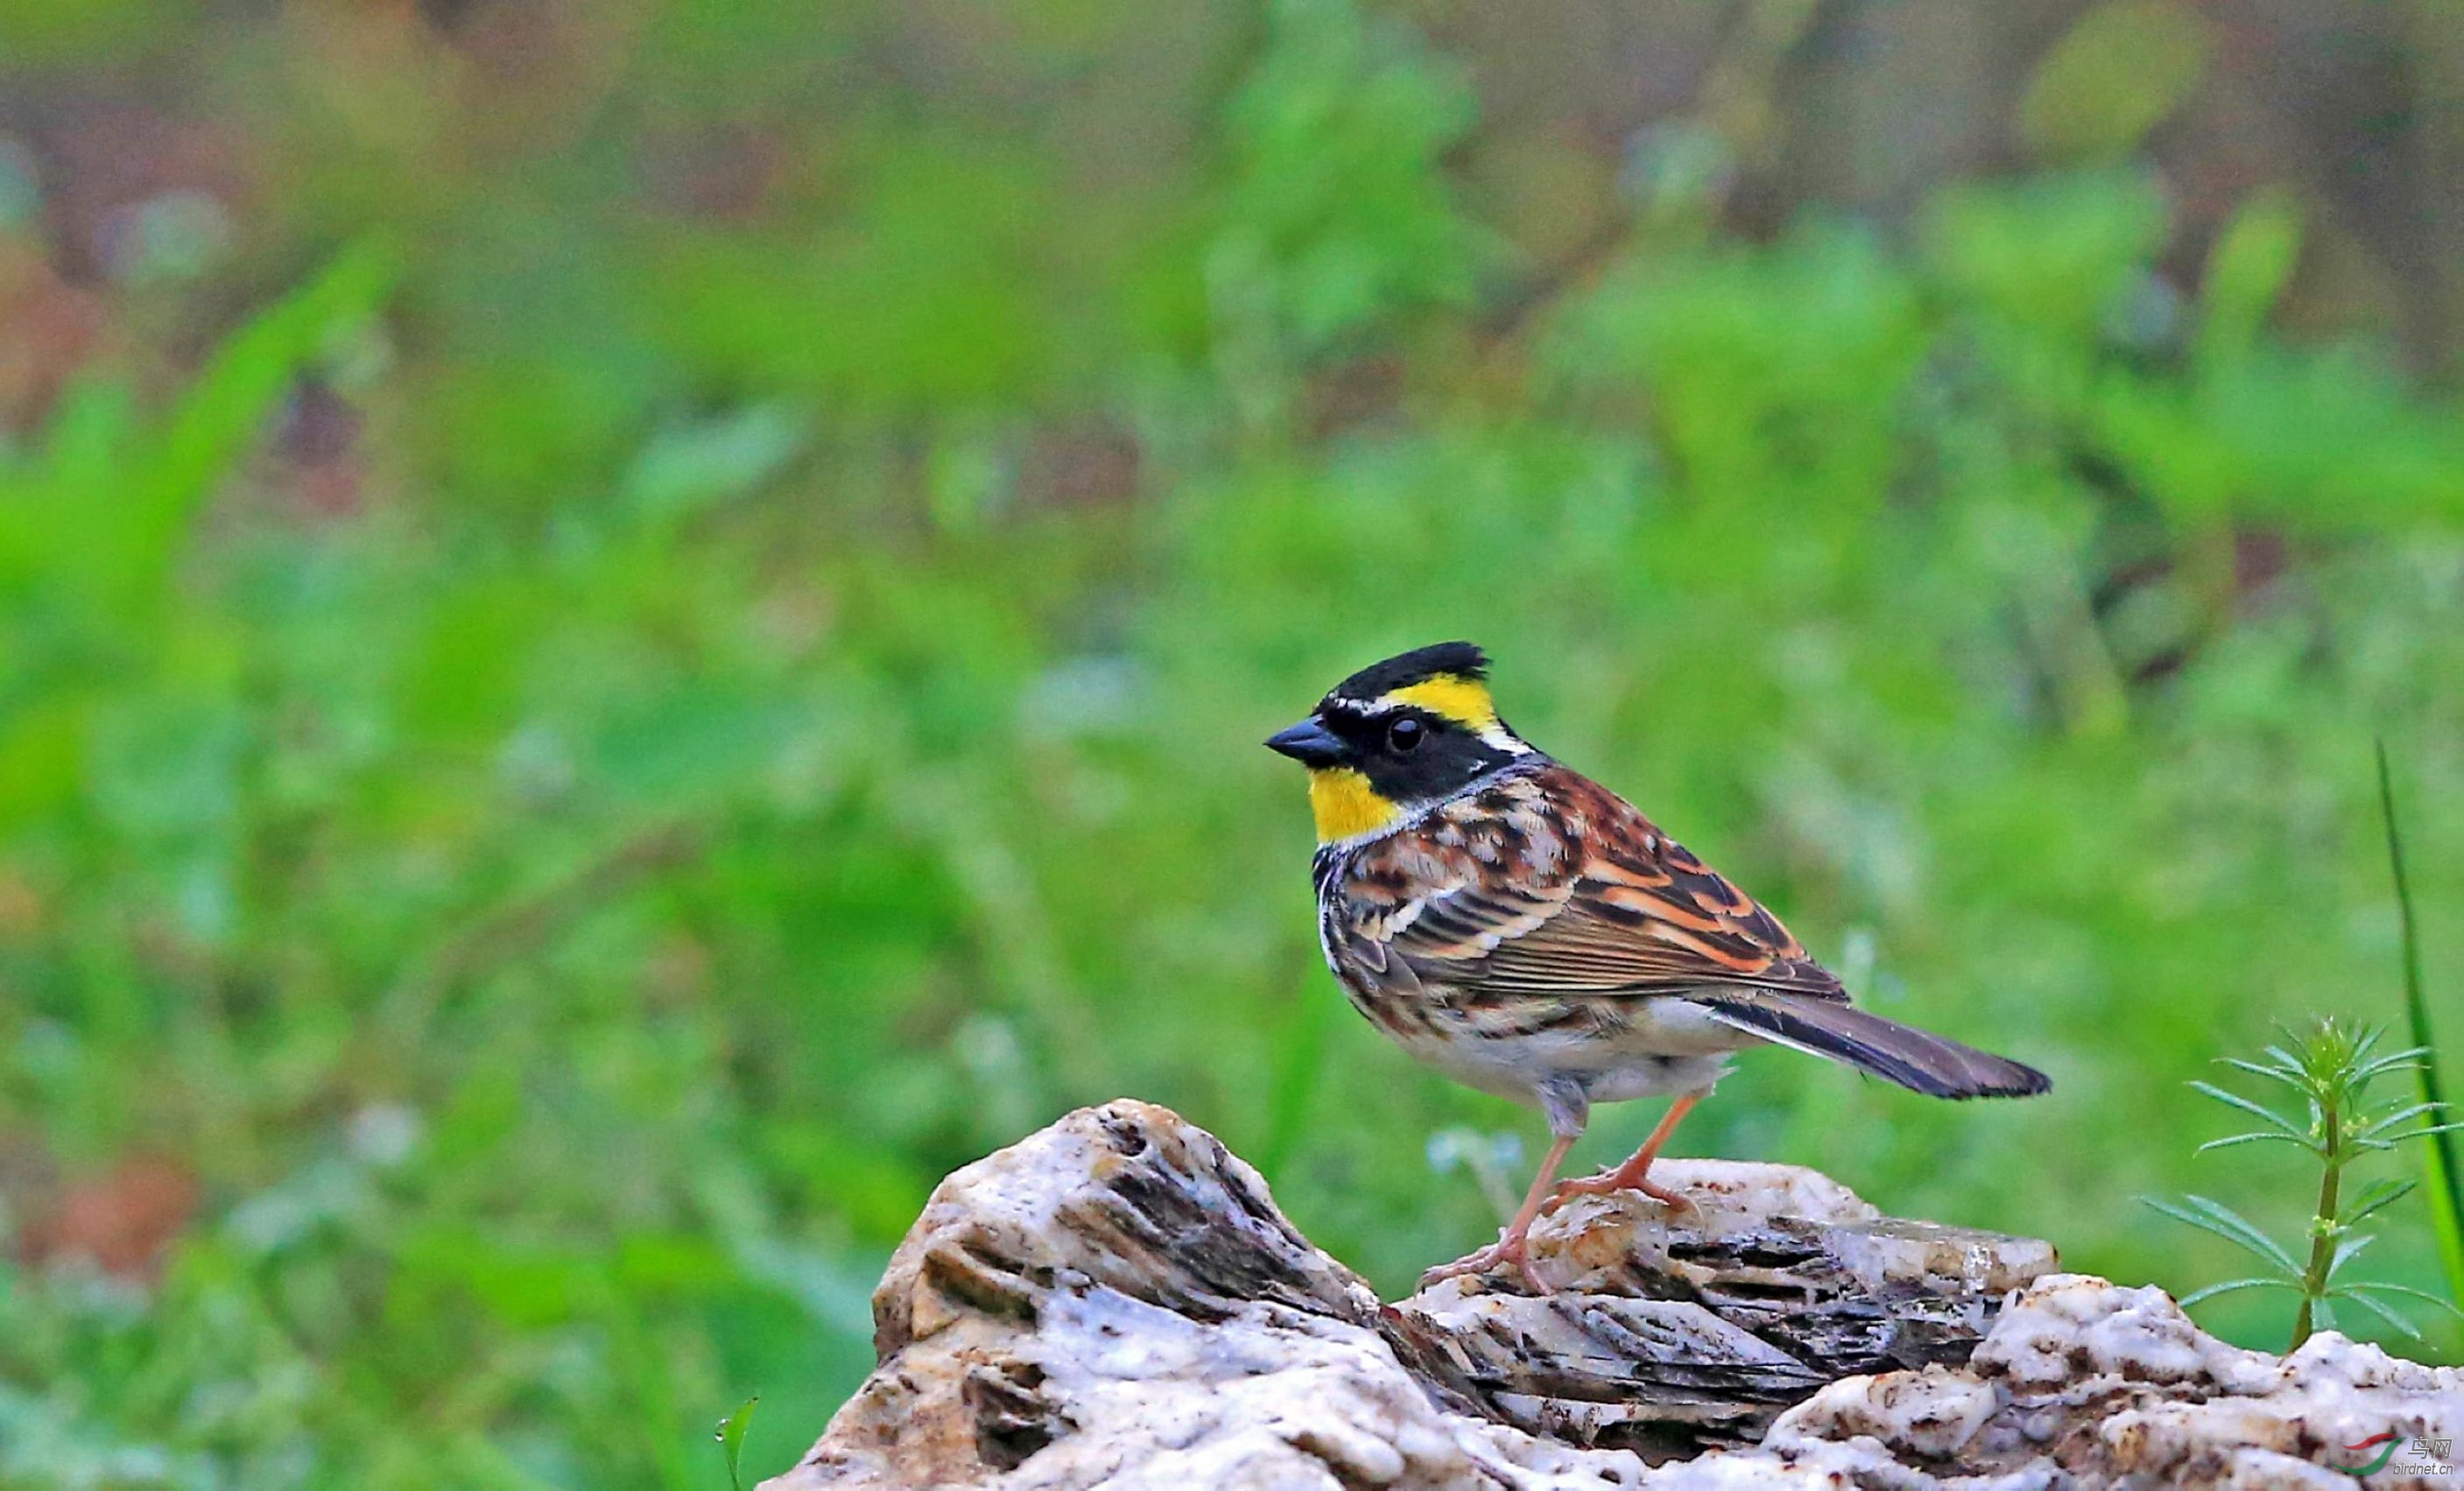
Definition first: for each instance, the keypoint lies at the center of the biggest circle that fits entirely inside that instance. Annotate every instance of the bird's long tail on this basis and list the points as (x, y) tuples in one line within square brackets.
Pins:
[(1917, 1059)]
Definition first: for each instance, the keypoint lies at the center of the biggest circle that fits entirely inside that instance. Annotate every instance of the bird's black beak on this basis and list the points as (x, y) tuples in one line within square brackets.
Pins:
[(1308, 743)]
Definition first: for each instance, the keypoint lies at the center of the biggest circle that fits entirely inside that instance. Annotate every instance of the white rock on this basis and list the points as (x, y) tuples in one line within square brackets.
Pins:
[(1116, 1302)]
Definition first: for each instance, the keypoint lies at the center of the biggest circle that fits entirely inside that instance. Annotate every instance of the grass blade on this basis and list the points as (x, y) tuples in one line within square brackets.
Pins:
[(2445, 1172), (731, 1439)]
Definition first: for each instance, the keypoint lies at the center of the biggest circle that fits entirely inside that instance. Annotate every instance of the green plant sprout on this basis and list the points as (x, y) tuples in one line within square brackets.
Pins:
[(2331, 1066), (731, 1439)]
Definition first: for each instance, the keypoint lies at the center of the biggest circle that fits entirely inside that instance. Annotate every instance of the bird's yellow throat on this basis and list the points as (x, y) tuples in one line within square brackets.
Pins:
[(1344, 803)]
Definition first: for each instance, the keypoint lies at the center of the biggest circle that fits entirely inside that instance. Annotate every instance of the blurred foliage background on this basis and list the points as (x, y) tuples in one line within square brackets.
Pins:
[(628, 630)]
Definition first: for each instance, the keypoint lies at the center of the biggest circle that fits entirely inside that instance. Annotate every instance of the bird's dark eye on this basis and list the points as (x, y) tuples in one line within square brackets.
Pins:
[(1404, 735)]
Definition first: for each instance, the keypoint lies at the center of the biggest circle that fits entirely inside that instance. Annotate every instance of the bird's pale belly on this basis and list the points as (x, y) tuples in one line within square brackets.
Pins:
[(1620, 1048)]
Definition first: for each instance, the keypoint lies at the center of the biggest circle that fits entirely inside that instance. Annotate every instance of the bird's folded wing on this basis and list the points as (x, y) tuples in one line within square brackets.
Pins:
[(1616, 927)]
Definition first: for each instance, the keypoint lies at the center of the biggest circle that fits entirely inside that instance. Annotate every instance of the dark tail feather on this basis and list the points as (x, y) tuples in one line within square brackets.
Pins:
[(1917, 1059)]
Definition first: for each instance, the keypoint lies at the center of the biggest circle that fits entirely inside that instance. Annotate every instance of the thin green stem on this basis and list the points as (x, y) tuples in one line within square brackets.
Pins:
[(2323, 1227)]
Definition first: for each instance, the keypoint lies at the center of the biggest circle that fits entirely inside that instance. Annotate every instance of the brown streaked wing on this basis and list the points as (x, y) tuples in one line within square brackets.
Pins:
[(1634, 913), (1463, 928), (1588, 949)]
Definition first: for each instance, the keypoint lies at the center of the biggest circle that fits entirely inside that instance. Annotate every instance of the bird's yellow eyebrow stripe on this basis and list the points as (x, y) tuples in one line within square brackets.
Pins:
[(1464, 700)]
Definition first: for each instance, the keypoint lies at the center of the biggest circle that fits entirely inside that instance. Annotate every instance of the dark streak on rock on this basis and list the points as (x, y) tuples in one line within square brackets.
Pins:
[(1012, 1421)]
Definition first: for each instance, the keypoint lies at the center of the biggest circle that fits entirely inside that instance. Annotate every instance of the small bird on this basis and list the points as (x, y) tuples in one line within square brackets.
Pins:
[(1528, 932)]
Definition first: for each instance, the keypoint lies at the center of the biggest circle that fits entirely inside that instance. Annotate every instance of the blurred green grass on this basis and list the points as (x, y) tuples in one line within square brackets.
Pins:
[(778, 715)]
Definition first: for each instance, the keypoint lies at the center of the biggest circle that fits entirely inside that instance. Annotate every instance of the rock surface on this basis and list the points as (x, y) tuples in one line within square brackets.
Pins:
[(1116, 1303)]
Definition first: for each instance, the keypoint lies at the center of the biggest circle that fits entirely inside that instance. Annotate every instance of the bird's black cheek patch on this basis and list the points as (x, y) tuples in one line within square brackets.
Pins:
[(1445, 760)]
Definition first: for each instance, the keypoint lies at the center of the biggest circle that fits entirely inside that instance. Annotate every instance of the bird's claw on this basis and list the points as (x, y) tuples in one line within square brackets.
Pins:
[(1609, 1182), (1505, 1250)]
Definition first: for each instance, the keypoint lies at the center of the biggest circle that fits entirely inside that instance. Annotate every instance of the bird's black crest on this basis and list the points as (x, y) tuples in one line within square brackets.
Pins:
[(1439, 660)]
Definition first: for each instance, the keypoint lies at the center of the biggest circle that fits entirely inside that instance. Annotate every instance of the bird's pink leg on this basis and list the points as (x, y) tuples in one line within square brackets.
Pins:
[(1508, 1246), (1634, 1175)]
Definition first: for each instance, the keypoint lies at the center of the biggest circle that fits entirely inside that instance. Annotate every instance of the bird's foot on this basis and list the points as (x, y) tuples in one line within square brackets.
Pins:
[(1609, 1181), (1510, 1247)]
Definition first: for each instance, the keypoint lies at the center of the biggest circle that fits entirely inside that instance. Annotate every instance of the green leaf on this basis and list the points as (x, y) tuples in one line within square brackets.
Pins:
[(2440, 1164), (116, 495), (2393, 1061), (2246, 273), (2247, 1105), (2374, 1197), (2230, 1140), (2376, 1132), (731, 1439), (2381, 1312), (2117, 75), (2197, 1296), (2289, 1064), (685, 468), (2381, 1286), (2214, 1216), (2285, 1072), (227, 405), (2347, 1250), (2376, 1123), (2053, 256)]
